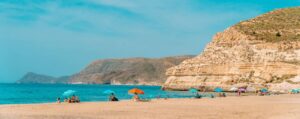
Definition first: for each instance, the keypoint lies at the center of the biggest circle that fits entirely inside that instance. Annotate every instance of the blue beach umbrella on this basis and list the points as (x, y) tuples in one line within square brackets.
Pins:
[(264, 90), (294, 91), (193, 90), (108, 92), (69, 93), (218, 90)]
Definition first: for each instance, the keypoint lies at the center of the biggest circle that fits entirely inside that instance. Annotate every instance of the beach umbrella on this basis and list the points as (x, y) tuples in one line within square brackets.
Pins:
[(193, 90), (136, 91), (242, 90), (218, 90), (69, 93), (108, 92), (233, 89), (294, 91), (264, 90)]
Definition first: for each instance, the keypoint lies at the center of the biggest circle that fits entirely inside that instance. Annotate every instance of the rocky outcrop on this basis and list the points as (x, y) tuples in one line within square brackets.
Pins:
[(260, 52), (141, 71), (35, 78)]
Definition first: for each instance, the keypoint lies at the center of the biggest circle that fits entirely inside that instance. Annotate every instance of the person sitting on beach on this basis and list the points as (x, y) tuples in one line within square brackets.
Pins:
[(221, 95), (136, 98), (77, 100), (73, 99), (212, 96), (224, 94), (112, 97), (66, 100), (69, 100), (198, 96), (263, 93)]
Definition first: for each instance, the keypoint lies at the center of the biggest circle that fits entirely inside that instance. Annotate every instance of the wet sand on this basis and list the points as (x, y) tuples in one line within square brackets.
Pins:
[(245, 107)]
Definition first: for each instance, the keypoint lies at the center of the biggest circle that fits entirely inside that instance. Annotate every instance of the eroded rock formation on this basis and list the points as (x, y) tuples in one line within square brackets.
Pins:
[(260, 52)]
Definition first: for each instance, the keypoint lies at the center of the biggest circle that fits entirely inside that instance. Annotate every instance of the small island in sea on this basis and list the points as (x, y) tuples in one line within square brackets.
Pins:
[(249, 70)]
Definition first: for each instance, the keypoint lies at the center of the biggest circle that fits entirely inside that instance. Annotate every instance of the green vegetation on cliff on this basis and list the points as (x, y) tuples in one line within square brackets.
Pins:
[(275, 26)]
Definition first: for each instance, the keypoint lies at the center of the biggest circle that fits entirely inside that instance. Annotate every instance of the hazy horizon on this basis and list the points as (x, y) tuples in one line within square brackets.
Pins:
[(60, 38)]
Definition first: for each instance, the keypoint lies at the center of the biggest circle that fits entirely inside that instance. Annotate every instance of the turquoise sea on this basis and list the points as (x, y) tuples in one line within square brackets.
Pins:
[(47, 93)]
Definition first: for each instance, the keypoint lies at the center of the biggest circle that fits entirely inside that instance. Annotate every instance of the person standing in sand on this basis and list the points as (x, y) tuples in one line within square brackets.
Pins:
[(239, 93), (136, 98)]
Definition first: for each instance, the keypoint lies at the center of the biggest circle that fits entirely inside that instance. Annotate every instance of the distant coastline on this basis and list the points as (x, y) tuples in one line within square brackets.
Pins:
[(130, 71)]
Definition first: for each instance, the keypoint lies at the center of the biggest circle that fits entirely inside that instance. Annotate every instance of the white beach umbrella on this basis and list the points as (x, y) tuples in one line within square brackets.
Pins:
[(233, 89)]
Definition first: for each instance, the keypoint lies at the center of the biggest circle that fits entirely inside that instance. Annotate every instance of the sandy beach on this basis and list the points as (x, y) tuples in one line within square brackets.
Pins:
[(246, 107)]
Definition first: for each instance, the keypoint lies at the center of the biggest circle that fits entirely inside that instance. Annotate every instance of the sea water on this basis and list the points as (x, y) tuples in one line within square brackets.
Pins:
[(48, 93)]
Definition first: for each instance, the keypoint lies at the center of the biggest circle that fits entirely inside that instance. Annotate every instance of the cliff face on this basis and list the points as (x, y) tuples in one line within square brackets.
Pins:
[(42, 79), (260, 52), (140, 71)]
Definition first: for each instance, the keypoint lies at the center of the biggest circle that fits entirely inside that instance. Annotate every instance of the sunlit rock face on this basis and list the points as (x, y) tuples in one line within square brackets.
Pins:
[(260, 52)]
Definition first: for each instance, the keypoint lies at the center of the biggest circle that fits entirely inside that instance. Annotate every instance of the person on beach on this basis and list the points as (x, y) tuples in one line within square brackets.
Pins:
[(77, 100), (73, 99), (212, 96), (112, 97), (66, 100), (198, 96), (239, 93), (69, 100), (224, 94), (58, 100), (136, 98)]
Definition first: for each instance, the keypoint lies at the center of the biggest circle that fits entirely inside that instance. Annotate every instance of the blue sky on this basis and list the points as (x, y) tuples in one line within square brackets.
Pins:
[(60, 37)]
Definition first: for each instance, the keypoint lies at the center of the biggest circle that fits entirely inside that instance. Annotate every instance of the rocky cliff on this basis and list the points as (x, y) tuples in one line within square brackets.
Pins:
[(260, 52), (42, 79)]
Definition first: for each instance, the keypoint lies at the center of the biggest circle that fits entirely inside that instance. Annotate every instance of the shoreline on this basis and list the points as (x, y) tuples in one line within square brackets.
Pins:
[(244, 107), (228, 94), (128, 100)]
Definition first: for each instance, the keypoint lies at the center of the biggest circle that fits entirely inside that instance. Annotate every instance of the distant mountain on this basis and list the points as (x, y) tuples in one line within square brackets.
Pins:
[(141, 71), (31, 77)]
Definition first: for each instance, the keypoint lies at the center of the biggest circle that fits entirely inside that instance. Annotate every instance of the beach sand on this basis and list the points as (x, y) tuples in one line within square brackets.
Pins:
[(245, 107)]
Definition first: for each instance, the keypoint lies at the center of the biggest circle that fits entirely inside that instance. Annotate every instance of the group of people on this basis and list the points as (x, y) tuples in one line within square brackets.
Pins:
[(262, 93), (73, 99), (112, 97), (199, 96), (136, 98)]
